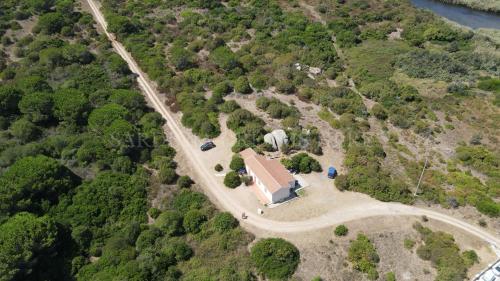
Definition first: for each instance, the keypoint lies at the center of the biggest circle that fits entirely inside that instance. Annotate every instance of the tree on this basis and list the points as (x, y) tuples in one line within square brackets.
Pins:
[(188, 200), (132, 100), (120, 25), (37, 107), (51, 57), (223, 88), (193, 221), (170, 222), (50, 23), (25, 240), (9, 100), (147, 238), (341, 230), (184, 182), (242, 86), (167, 175), (181, 58), (33, 184), (24, 130), (237, 163), (108, 199), (224, 58), (275, 258), (71, 106), (32, 84), (102, 117), (223, 222), (232, 180)]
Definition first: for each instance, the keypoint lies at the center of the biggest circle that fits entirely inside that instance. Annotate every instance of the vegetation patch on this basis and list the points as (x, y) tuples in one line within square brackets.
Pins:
[(440, 248), (363, 256), (275, 258)]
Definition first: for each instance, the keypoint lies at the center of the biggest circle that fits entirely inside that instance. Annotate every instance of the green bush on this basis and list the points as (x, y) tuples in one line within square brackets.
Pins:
[(188, 200), (341, 230), (224, 58), (167, 175), (489, 84), (363, 255), (237, 163), (440, 248), (223, 222), (193, 221), (242, 86), (409, 243), (303, 163), (275, 258), (390, 276), (218, 168), (232, 180), (170, 223), (184, 182), (154, 212)]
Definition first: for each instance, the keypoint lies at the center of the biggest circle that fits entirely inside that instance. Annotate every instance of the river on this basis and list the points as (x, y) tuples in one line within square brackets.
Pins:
[(460, 14)]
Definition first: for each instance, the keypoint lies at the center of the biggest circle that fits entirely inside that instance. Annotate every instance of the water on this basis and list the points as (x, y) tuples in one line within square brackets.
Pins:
[(462, 15)]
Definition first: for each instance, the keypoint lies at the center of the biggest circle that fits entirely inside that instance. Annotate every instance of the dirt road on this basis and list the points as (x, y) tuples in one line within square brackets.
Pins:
[(213, 187)]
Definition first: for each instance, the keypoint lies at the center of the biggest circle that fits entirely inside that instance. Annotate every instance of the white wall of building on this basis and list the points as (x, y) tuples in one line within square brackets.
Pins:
[(275, 197)]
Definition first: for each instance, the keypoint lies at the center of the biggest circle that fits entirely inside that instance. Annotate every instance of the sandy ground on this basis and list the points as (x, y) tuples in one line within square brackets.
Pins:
[(325, 255)]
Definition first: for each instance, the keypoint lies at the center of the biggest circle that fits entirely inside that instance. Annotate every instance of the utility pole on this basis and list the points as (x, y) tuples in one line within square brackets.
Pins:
[(425, 165), (421, 175)]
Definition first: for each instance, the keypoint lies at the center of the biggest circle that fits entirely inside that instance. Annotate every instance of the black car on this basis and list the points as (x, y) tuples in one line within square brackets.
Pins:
[(207, 146)]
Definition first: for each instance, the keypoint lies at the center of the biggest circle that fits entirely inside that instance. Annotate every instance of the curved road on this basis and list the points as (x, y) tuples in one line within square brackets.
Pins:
[(212, 186)]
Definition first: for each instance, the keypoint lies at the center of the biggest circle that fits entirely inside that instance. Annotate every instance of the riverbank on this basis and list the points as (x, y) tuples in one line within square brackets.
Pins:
[(483, 5)]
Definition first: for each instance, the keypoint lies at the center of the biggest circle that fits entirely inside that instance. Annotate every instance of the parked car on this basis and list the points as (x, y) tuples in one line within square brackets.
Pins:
[(207, 146), (332, 172)]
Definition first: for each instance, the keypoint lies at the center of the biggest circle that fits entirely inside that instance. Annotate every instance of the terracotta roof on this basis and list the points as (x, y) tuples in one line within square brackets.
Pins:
[(270, 171)]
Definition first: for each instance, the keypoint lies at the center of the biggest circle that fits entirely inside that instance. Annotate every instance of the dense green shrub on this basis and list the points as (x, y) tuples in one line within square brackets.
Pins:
[(275, 258), (193, 221), (154, 212), (341, 230), (25, 240), (242, 86), (237, 163), (232, 179), (302, 163), (440, 248), (34, 184), (184, 182), (218, 168), (224, 58), (223, 222), (489, 84), (276, 109), (170, 223)]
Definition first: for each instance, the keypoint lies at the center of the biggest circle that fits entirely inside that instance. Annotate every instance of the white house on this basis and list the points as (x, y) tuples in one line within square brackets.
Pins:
[(272, 183)]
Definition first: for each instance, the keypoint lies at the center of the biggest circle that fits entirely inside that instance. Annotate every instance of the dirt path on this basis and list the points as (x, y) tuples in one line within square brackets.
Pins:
[(214, 187)]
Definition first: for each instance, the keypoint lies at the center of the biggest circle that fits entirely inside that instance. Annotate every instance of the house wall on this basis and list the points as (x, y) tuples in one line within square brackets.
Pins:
[(259, 184), (281, 194), (275, 197)]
